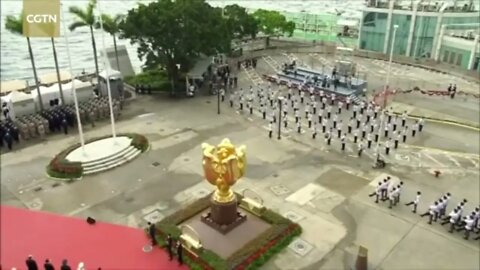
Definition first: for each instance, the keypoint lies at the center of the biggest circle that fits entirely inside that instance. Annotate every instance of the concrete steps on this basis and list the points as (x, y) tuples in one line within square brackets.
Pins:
[(125, 155)]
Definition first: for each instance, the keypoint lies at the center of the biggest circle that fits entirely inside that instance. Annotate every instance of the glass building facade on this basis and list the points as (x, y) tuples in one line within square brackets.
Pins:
[(417, 32), (319, 27)]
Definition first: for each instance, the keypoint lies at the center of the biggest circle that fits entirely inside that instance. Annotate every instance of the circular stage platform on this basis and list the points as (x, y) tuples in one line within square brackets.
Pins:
[(104, 154)]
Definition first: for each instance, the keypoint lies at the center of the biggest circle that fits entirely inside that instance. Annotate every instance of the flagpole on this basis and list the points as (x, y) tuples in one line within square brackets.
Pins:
[(75, 100), (106, 67)]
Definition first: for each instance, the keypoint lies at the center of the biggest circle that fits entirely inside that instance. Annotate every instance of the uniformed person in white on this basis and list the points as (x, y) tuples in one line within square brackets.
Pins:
[(430, 212), (320, 116), (340, 105), (369, 140), (222, 94), (342, 140), (414, 129), (270, 130), (452, 218), (314, 131), (285, 121), (299, 127), (360, 150), (355, 136), (309, 119), (334, 119), (415, 202), (328, 137), (404, 134), (385, 185), (391, 197), (420, 124), (404, 118), (324, 125), (339, 128), (231, 97), (468, 226), (297, 116)]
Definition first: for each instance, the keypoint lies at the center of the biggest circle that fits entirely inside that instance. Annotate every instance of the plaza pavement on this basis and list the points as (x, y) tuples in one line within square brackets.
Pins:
[(319, 187)]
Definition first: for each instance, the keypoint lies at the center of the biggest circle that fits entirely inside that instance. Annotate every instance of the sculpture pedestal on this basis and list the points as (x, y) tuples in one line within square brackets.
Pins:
[(223, 217)]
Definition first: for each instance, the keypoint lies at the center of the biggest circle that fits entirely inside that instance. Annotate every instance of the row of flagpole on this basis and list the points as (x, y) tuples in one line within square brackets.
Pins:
[(107, 75)]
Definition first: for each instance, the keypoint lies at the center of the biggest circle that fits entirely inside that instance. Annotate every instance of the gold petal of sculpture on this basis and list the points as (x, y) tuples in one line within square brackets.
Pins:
[(223, 166)]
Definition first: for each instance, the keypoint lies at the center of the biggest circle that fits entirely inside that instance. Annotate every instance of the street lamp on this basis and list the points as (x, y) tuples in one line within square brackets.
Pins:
[(218, 101), (280, 102), (387, 79)]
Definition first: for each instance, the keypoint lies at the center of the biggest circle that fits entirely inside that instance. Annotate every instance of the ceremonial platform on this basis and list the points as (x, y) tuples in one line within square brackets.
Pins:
[(55, 237), (303, 78), (104, 154)]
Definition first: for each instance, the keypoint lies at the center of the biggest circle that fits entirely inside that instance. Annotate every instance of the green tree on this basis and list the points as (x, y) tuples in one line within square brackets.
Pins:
[(240, 23), (15, 25), (111, 26), (169, 33), (86, 17), (272, 23)]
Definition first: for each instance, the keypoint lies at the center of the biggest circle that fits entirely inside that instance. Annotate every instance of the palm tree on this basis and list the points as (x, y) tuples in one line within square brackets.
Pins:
[(111, 26), (58, 71), (86, 17), (15, 25)]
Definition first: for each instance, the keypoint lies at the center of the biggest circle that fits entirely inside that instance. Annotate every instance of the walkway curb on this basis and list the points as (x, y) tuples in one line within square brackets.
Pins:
[(444, 121)]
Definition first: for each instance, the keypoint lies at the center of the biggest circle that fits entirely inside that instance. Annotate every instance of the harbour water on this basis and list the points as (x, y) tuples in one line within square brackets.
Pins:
[(15, 62)]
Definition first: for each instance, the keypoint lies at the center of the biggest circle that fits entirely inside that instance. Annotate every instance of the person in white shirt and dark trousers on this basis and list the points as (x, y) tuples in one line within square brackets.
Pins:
[(377, 192), (430, 212), (391, 197), (415, 202)]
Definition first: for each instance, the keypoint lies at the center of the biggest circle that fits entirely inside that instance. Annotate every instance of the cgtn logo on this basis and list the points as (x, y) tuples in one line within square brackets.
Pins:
[(41, 18)]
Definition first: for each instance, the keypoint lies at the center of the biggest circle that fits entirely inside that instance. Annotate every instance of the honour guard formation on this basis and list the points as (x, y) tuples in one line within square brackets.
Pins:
[(59, 119)]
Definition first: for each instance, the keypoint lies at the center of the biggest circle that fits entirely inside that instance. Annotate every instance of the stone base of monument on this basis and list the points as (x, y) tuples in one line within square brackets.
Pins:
[(223, 217)]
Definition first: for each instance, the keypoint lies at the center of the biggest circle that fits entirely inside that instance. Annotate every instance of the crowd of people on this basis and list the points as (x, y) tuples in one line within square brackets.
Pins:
[(337, 118), (458, 219), (58, 119), (48, 265)]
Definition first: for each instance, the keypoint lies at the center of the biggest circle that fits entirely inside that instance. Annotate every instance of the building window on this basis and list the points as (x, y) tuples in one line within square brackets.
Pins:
[(452, 58), (369, 19), (445, 56), (476, 63), (459, 59)]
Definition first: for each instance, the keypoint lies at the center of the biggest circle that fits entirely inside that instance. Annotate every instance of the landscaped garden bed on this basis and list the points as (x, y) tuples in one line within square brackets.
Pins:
[(254, 254), (60, 168)]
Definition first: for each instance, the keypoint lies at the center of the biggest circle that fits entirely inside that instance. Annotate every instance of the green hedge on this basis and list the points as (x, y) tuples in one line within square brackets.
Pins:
[(157, 79), (281, 233), (59, 167)]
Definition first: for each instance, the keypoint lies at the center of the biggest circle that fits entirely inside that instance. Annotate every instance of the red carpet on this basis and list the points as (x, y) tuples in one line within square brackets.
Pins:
[(45, 235)]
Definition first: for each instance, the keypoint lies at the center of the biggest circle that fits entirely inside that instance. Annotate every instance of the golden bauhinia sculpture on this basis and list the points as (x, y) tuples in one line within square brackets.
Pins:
[(223, 165)]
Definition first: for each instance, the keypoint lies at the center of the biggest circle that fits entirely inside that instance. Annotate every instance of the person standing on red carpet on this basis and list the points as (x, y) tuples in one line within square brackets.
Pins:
[(48, 265), (31, 263), (65, 265), (170, 247), (180, 253), (151, 232)]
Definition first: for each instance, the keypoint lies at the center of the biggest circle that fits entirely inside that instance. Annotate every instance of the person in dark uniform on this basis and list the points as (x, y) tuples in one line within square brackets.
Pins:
[(31, 263), (65, 265), (180, 253), (151, 232), (48, 265), (8, 140), (15, 133), (170, 247), (65, 126)]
